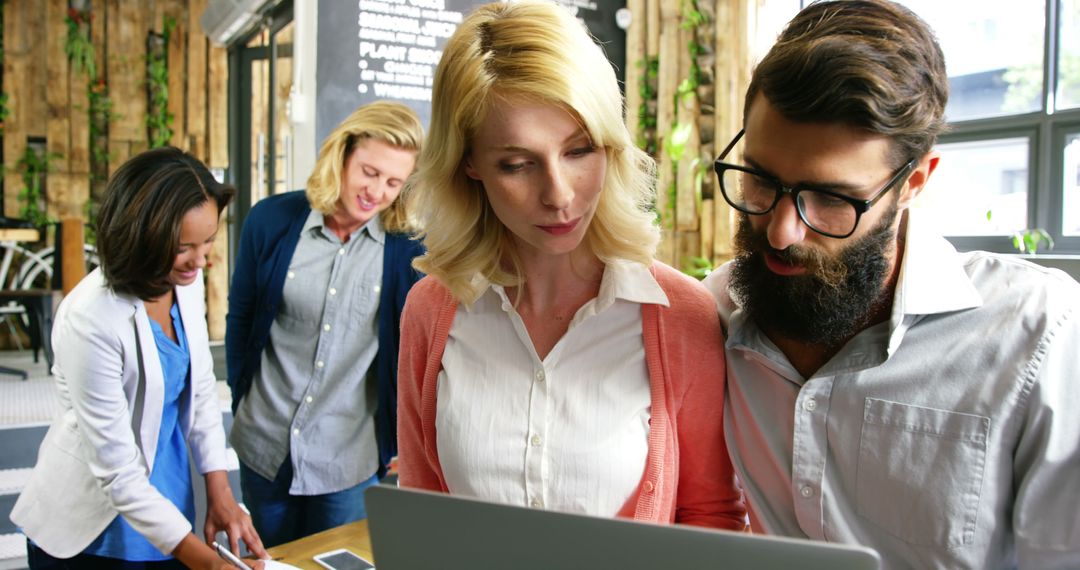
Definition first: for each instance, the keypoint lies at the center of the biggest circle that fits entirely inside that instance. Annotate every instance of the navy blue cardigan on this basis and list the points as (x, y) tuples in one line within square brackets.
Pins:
[(267, 242)]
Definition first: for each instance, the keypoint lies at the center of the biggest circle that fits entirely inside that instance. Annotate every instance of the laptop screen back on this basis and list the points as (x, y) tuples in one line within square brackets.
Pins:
[(413, 530)]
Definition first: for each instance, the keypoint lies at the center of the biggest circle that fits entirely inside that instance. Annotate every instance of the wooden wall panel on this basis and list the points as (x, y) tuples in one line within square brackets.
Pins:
[(734, 22), (635, 62), (218, 107), (16, 64), (37, 110), (58, 95), (49, 99), (686, 113), (126, 66), (696, 221), (177, 57), (195, 117), (98, 20)]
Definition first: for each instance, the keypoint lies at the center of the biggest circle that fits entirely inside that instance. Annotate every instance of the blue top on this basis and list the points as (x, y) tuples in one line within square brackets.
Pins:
[(267, 243), (171, 474)]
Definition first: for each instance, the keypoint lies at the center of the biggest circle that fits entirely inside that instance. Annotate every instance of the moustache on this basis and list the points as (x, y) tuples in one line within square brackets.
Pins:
[(830, 271)]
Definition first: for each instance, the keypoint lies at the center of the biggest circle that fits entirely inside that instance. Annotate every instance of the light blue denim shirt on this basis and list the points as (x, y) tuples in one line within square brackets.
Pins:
[(947, 437)]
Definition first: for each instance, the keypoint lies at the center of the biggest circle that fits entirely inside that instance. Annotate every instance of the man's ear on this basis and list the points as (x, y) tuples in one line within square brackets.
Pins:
[(918, 178)]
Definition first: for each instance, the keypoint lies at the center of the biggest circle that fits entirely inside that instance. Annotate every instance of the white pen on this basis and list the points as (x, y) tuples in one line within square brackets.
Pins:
[(229, 556)]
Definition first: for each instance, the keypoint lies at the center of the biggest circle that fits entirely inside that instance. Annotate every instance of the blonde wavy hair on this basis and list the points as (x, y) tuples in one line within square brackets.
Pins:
[(534, 51), (388, 121)]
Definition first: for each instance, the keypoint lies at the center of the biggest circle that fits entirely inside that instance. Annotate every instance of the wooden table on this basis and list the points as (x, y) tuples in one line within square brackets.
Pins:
[(19, 234), (301, 552)]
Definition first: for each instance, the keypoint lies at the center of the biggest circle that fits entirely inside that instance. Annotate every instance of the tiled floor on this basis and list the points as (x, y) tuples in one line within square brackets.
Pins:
[(26, 402)]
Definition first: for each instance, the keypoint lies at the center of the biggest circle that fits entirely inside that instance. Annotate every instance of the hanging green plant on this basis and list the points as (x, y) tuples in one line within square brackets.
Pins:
[(101, 115), (78, 47), (34, 166), (158, 118), (646, 135), (5, 111)]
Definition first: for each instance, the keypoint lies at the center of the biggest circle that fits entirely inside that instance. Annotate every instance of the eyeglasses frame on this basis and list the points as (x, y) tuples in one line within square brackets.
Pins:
[(861, 206)]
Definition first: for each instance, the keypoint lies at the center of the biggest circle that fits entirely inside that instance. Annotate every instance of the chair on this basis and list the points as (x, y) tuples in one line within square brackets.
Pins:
[(27, 295)]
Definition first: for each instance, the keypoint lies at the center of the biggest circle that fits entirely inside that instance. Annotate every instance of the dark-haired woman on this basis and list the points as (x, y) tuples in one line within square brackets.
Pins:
[(112, 486)]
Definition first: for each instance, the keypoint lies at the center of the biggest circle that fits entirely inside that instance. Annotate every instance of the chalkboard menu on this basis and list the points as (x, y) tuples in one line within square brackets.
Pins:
[(388, 49)]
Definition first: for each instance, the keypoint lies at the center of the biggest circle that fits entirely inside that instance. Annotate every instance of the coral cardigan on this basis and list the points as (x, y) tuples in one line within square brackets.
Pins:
[(688, 476)]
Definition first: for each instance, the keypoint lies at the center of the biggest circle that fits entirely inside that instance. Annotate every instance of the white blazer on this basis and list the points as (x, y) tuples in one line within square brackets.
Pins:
[(96, 459)]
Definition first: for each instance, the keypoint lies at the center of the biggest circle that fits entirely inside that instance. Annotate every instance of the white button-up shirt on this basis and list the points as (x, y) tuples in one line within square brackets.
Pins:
[(947, 437), (566, 433)]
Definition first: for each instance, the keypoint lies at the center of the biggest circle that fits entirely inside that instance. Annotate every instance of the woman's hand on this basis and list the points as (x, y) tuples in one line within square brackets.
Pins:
[(193, 553), (224, 514)]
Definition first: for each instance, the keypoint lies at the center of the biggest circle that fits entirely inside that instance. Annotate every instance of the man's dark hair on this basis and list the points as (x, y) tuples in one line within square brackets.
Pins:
[(138, 235), (872, 64)]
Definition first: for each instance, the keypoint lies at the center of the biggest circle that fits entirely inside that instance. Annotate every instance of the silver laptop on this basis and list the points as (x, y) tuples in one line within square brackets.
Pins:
[(416, 530)]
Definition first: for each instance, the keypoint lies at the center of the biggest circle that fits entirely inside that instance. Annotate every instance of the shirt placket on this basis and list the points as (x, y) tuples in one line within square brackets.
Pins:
[(323, 348), (535, 491), (809, 448)]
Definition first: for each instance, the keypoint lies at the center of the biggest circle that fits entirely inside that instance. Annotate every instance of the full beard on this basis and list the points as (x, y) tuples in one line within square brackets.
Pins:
[(833, 301)]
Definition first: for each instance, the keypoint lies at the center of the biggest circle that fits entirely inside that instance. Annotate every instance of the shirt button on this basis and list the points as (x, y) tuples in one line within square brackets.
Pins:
[(309, 399), (536, 503), (291, 275), (809, 404), (539, 375), (326, 327), (341, 251), (648, 487), (319, 364), (333, 291), (296, 432), (807, 491), (536, 440), (377, 288)]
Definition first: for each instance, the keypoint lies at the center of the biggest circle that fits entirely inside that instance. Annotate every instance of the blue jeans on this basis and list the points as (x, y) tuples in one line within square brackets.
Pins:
[(280, 517)]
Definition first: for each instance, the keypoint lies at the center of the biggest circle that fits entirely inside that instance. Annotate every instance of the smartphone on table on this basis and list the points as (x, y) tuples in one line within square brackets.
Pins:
[(343, 559)]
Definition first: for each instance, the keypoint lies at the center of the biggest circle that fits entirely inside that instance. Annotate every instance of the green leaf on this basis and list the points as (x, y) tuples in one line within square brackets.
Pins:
[(675, 145)]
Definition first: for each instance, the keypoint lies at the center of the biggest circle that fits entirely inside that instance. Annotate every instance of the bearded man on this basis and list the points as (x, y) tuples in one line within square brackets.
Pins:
[(884, 389)]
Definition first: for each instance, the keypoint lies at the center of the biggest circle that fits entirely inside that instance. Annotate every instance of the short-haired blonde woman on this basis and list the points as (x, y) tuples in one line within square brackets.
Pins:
[(312, 330), (548, 360)]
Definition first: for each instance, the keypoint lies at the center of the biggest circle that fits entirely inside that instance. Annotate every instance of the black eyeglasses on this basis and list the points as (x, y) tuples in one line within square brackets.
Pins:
[(828, 213)]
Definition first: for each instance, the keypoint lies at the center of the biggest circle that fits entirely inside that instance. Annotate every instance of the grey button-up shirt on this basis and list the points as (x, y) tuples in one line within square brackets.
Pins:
[(948, 437), (309, 399)]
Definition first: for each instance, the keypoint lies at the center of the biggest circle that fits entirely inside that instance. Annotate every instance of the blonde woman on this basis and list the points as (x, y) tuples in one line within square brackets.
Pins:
[(312, 332), (548, 360)]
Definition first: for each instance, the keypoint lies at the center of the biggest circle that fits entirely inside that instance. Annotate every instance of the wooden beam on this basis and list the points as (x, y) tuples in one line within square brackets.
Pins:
[(195, 117), (126, 66), (687, 111), (665, 115), (177, 63), (16, 64), (72, 262), (218, 104), (635, 63), (217, 282)]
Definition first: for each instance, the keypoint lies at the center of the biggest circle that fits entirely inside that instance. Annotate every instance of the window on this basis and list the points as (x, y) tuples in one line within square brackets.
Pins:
[(1011, 159)]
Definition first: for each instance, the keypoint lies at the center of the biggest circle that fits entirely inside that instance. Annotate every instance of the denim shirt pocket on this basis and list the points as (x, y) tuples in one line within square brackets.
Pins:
[(920, 472)]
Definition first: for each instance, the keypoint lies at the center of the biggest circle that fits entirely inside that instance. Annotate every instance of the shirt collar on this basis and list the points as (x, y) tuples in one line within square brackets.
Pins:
[(626, 280), (932, 276), (316, 223)]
